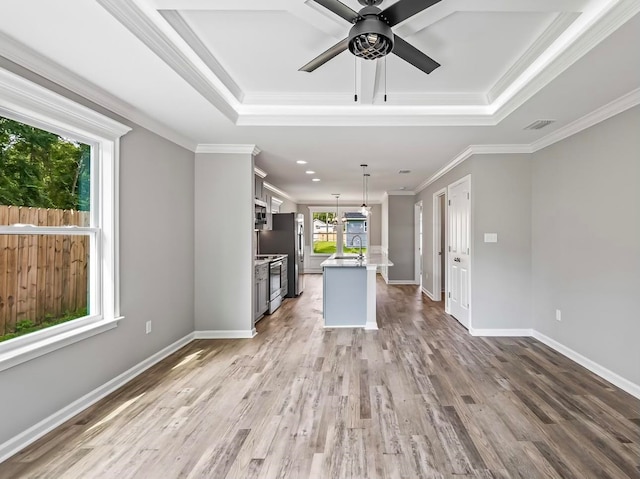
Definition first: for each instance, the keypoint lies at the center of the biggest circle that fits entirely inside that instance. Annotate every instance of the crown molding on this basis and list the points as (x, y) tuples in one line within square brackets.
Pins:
[(148, 25), (28, 58), (24, 100), (591, 27), (228, 149), (605, 112), (278, 191), (400, 193), (259, 172), (544, 41), (178, 23), (580, 37)]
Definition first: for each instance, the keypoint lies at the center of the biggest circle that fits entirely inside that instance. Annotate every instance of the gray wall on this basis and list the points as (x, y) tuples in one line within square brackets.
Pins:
[(501, 272), (287, 206), (224, 242), (401, 227), (156, 274), (586, 238)]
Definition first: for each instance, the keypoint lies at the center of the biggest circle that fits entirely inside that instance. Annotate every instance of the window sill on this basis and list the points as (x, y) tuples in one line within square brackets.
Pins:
[(22, 354)]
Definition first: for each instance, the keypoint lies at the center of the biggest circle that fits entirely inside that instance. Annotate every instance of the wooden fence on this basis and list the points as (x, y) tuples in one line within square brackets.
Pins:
[(41, 276)]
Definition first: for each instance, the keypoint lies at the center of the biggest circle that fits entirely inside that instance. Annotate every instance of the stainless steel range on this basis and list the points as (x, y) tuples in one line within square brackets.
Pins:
[(277, 279)]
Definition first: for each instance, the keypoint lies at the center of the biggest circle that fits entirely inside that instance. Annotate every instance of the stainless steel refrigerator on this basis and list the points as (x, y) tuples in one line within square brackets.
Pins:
[(287, 237)]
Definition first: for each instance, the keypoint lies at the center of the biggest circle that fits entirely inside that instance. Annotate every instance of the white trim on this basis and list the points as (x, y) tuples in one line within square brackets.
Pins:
[(226, 334), (22, 440), (598, 115), (514, 333), (447, 299), (346, 326), (28, 102), (544, 41), (613, 378), (277, 201), (436, 270), (402, 281), (468, 153), (400, 193), (23, 55), (259, 172), (51, 339), (31, 103), (427, 293), (417, 244), (278, 191), (232, 149), (605, 112)]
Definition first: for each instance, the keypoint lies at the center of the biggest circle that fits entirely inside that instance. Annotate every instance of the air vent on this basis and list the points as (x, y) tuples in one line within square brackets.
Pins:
[(539, 124), (404, 172)]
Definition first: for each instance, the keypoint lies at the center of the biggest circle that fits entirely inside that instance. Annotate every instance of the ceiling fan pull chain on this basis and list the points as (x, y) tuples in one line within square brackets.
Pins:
[(385, 79), (355, 79)]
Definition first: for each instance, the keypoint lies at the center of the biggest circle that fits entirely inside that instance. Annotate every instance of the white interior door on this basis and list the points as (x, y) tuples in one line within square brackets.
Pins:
[(459, 249)]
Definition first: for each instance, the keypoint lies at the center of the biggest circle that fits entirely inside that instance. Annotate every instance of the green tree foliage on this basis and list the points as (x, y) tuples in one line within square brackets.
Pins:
[(41, 169)]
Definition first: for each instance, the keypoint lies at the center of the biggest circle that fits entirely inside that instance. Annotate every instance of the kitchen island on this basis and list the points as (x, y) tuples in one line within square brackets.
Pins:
[(349, 290)]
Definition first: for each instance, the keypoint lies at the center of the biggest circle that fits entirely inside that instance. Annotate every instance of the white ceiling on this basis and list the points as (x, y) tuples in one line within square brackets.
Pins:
[(226, 72)]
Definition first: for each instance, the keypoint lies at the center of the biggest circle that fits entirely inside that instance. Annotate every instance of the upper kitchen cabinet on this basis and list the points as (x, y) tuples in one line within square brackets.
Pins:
[(260, 190)]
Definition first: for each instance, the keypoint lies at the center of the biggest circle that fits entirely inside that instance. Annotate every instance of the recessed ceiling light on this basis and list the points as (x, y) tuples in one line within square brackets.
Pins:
[(315, 179), (301, 162), (309, 172)]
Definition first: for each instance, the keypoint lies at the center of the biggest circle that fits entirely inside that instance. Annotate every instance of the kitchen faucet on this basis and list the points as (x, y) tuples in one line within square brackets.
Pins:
[(360, 256)]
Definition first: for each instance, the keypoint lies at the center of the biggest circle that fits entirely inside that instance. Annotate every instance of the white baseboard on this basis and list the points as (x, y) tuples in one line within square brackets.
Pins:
[(402, 281), (224, 334), (344, 326), (312, 271), (427, 294), (35, 432), (613, 378), (514, 333)]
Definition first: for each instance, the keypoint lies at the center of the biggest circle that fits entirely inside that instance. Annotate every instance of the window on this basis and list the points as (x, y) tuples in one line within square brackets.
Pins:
[(324, 232), (354, 232), (58, 225)]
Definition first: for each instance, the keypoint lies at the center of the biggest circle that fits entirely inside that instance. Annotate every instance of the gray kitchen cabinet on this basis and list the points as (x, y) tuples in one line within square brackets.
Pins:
[(285, 278), (261, 291)]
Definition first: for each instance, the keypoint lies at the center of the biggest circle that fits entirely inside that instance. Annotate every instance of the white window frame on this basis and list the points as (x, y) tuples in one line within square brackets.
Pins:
[(32, 104), (321, 209)]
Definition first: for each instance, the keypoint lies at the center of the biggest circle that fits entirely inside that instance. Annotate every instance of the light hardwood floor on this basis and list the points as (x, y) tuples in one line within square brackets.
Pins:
[(419, 398)]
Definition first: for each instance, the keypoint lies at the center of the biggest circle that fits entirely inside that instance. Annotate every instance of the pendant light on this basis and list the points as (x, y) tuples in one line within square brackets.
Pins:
[(337, 217), (364, 210)]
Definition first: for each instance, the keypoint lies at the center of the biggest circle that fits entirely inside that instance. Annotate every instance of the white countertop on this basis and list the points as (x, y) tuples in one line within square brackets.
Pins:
[(353, 262)]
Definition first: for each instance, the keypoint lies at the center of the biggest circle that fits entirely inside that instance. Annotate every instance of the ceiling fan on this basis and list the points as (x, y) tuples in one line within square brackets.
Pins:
[(371, 36)]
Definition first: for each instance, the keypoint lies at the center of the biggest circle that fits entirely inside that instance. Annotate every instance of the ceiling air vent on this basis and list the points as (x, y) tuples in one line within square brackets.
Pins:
[(539, 124), (404, 172)]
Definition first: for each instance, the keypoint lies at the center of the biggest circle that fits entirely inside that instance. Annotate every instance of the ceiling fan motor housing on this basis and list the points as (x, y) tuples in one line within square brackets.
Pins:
[(370, 37)]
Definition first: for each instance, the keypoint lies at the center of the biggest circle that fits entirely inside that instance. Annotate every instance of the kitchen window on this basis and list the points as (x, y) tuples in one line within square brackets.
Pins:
[(324, 227), (58, 221)]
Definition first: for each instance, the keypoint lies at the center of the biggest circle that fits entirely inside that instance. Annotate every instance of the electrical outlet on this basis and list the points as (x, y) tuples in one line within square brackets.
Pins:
[(558, 315), (148, 327)]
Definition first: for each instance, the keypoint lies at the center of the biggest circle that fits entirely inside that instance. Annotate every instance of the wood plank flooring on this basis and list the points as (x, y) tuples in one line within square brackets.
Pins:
[(419, 398)]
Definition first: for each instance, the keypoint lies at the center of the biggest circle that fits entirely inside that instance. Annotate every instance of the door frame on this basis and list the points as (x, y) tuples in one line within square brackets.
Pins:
[(436, 274), (447, 265), (418, 214)]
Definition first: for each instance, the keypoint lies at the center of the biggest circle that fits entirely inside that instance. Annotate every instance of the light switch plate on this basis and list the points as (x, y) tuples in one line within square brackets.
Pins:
[(491, 237)]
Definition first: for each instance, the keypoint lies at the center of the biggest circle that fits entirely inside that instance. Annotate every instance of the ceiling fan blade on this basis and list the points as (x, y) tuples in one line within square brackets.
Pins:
[(400, 11), (411, 54), (326, 56), (339, 9)]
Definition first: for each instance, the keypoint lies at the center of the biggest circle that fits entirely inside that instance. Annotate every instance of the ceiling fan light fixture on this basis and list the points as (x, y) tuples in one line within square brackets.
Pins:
[(371, 38)]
